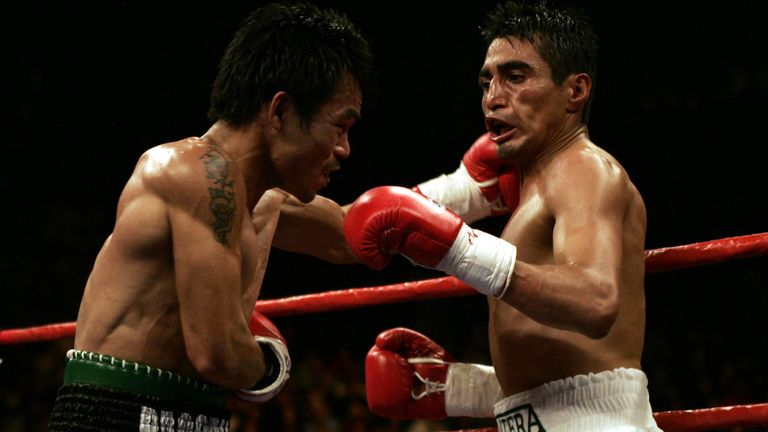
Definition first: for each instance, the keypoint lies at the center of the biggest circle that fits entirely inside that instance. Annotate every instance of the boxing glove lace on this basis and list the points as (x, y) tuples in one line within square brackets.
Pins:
[(409, 376)]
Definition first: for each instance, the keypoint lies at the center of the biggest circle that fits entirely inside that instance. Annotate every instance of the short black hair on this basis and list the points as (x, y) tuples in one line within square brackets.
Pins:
[(562, 34), (297, 48)]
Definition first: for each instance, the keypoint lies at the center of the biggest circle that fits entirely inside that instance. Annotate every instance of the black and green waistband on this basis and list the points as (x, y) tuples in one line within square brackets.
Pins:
[(85, 367)]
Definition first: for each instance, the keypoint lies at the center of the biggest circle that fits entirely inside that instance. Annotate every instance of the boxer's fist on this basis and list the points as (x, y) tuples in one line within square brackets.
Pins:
[(277, 361), (498, 180), (405, 374), (483, 185), (389, 219), (409, 376)]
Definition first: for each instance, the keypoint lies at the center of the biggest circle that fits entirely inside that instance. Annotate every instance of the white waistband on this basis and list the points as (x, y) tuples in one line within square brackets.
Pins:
[(614, 400)]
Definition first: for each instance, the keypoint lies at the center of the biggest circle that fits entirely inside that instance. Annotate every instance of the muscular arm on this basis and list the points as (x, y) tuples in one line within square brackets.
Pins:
[(205, 213), (313, 229), (580, 290)]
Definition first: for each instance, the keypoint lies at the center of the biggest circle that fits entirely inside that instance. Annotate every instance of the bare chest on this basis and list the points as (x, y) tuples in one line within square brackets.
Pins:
[(530, 230)]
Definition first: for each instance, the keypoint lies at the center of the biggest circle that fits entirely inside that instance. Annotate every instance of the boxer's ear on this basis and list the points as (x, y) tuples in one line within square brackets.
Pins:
[(280, 105), (579, 87)]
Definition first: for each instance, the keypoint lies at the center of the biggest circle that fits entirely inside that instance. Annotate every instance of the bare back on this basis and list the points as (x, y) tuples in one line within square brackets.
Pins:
[(174, 268), (579, 215)]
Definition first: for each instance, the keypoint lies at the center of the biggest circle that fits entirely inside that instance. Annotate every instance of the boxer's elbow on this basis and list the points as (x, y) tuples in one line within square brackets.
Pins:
[(604, 310), (601, 325), (225, 365)]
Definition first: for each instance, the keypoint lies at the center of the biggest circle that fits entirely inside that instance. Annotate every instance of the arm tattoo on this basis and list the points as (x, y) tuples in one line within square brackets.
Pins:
[(222, 194)]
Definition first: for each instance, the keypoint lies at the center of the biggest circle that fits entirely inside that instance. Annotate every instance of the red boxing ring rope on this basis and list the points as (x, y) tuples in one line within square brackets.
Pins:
[(703, 253), (656, 260)]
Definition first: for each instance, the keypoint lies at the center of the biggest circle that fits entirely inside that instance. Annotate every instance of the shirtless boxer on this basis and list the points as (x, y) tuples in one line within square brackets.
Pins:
[(564, 280), (166, 330)]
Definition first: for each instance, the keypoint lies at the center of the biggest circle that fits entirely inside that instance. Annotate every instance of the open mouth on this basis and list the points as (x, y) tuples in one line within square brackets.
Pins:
[(500, 130), (327, 173)]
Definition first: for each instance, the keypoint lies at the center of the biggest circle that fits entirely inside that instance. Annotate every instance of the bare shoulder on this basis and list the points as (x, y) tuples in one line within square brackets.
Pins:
[(585, 170), (589, 159), (189, 166)]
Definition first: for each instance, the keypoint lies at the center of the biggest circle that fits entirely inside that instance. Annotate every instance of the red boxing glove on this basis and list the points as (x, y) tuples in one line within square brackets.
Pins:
[(409, 376), (498, 179), (391, 219), (400, 358), (277, 361), (483, 185)]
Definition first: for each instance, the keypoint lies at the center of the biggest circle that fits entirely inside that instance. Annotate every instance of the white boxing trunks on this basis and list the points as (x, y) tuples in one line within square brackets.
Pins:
[(614, 400)]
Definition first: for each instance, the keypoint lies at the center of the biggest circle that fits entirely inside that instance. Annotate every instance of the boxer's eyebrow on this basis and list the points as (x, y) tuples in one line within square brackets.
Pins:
[(503, 68), (511, 65)]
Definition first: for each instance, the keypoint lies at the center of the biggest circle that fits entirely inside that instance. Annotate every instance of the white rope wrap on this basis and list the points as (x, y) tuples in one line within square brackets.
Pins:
[(483, 261), (460, 193), (471, 390)]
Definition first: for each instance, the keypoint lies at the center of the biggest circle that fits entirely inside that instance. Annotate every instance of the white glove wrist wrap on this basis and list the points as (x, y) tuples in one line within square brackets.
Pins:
[(471, 390), (284, 367), (460, 193), (483, 261)]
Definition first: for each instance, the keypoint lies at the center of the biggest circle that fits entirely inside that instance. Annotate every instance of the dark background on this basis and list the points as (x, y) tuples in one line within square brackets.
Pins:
[(680, 101)]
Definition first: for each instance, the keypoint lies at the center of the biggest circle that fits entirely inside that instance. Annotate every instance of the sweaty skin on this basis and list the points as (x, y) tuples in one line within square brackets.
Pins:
[(175, 284), (576, 301), (162, 281)]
